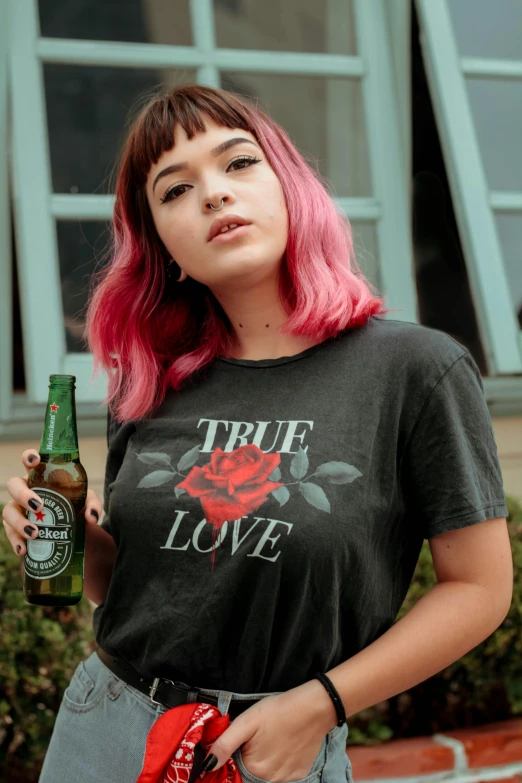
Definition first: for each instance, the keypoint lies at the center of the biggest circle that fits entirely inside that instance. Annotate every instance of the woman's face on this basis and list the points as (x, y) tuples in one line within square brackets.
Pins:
[(180, 204)]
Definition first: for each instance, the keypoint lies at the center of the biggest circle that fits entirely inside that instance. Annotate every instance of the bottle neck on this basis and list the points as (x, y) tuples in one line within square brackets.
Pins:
[(60, 436)]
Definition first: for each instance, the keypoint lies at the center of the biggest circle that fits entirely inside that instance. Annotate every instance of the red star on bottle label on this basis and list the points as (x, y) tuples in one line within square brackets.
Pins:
[(54, 407), (40, 516)]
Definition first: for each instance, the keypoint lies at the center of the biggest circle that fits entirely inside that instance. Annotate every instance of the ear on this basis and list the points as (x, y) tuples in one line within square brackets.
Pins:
[(183, 276)]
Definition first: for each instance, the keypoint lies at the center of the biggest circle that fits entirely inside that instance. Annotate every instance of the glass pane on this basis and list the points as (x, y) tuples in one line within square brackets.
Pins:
[(496, 106), (444, 294), (80, 248), (488, 29), (87, 109), (324, 117), (292, 26), (138, 21), (509, 229)]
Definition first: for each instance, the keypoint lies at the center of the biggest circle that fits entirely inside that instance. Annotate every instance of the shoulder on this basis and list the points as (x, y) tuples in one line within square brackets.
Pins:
[(413, 336), (416, 350)]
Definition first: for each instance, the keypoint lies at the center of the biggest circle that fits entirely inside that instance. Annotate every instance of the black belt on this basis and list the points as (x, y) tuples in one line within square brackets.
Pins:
[(166, 692)]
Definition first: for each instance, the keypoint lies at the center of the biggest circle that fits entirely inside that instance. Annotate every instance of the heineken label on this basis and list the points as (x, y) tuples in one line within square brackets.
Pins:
[(52, 421), (50, 553)]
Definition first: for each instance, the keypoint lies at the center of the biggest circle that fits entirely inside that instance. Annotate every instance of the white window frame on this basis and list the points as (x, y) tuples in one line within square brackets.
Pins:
[(6, 307)]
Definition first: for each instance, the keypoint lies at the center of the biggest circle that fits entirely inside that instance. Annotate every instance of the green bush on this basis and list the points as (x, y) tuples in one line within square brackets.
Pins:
[(42, 646)]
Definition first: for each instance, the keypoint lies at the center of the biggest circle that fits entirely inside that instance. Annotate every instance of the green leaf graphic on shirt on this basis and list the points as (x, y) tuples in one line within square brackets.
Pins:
[(275, 474), (150, 457), (156, 478), (314, 494), (188, 459), (282, 494), (299, 464), (338, 472)]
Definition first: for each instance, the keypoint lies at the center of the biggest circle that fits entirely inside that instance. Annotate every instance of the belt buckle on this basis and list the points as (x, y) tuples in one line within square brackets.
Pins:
[(155, 684), (154, 687), (152, 690)]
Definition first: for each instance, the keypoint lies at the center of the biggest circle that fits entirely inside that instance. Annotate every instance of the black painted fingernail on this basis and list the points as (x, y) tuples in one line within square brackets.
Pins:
[(209, 763), (30, 530), (18, 549), (94, 513), (34, 504), (31, 458)]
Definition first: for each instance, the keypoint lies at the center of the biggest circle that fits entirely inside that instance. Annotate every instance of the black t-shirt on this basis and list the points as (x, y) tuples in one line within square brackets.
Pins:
[(268, 518)]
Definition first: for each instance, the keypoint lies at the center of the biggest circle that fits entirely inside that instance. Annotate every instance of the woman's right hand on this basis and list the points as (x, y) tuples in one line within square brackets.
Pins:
[(17, 527)]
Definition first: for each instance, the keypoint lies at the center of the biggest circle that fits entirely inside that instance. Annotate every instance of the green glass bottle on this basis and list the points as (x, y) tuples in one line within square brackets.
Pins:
[(54, 563)]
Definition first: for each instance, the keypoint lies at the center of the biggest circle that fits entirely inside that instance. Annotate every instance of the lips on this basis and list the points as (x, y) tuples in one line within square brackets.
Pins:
[(225, 237), (225, 220)]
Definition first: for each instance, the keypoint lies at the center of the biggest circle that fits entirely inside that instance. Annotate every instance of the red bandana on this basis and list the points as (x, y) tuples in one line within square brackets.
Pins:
[(169, 752)]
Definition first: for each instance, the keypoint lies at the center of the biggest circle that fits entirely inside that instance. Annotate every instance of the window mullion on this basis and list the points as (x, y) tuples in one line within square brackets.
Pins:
[(386, 161), (37, 250), (203, 35), (6, 306)]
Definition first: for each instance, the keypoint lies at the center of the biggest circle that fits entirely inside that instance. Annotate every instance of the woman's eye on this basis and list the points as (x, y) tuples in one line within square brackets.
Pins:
[(169, 194), (243, 159), (173, 193)]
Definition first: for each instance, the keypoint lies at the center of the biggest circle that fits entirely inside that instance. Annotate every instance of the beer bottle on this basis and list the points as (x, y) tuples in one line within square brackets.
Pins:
[(54, 563)]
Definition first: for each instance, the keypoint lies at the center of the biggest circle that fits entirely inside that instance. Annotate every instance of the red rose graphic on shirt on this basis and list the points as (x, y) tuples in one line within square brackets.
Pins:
[(232, 484)]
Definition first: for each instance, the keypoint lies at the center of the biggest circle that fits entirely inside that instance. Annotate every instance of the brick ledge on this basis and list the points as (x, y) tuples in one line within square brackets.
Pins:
[(483, 753)]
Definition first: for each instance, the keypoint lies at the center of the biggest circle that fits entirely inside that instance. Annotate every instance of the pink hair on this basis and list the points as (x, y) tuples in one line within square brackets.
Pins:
[(150, 336)]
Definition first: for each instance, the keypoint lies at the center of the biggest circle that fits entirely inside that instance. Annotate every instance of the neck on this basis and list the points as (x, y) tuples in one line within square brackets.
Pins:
[(256, 315), (265, 350)]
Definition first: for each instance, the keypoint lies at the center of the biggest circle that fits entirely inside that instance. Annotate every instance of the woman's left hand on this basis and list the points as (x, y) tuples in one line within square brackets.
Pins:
[(280, 736)]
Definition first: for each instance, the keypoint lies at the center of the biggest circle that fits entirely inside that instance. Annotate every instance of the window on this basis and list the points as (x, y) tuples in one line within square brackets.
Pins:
[(475, 76), (323, 71)]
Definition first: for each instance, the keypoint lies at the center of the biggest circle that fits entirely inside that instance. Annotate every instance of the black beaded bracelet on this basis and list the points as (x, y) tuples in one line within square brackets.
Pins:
[(339, 706)]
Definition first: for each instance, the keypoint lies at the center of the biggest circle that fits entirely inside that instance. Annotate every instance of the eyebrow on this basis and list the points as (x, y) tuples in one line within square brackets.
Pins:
[(216, 152)]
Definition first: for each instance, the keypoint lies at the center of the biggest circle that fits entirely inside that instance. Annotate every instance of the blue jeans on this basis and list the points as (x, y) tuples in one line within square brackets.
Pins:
[(102, 725)]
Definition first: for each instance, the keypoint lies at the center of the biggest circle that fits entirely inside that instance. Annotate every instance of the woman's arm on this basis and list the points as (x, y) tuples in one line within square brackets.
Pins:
[(100, 554), (282, 734), (474, 570)]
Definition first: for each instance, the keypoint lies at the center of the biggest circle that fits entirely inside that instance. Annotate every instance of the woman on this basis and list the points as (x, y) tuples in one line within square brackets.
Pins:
[(278, 451)]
